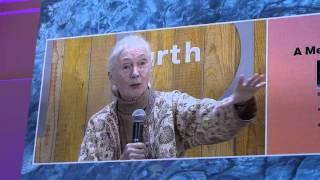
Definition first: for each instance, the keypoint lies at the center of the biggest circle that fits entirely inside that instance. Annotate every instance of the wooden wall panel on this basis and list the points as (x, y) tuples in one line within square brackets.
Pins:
[(73, 98), (222, 53), (45, 145)]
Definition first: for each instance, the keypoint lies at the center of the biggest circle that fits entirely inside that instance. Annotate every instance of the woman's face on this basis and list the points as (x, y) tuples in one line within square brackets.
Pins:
[(131, 73)]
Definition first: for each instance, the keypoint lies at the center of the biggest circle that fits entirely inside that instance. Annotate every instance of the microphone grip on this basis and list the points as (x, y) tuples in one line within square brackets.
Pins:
[(137, 133)]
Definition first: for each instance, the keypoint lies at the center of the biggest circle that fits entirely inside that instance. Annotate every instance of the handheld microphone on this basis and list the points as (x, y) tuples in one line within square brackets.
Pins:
[(138, 117)]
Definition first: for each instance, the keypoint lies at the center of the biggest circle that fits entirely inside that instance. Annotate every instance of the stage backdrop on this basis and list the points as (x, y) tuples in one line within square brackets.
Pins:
[(76, 85)]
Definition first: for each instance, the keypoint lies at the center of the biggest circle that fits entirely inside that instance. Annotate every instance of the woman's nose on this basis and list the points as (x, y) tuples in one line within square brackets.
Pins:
[(135, 72)]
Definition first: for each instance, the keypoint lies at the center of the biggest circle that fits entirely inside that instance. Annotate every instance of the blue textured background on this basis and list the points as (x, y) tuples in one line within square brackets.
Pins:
[(65, 18)]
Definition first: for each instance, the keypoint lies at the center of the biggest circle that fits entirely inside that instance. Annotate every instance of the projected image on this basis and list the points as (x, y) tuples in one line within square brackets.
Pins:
[(162, 94)]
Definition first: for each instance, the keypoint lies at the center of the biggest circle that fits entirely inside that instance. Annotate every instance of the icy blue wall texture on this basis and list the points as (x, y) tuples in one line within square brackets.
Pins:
[(64, 18)]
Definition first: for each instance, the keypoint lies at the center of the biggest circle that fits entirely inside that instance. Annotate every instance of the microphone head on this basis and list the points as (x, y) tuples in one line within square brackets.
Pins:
[(138, 115)]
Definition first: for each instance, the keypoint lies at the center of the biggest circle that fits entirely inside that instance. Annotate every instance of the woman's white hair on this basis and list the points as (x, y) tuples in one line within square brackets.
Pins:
[(130, 41)]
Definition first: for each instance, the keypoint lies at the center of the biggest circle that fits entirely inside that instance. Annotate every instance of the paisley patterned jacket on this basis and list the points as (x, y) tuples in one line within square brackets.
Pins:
[(176, 122)]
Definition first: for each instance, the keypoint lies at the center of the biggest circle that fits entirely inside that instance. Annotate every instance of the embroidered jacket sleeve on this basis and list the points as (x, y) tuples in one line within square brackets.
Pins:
[(207, 121)]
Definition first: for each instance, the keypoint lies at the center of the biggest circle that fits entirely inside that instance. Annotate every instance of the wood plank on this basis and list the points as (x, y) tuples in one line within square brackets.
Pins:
[(222, 58), (260, 66), (99, 92), (188, 77), (252, 138), (46, 144), (73, 102), (162, 75)]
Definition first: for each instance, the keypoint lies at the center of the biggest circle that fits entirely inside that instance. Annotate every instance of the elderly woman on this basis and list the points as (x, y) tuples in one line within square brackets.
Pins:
[(174, 122)]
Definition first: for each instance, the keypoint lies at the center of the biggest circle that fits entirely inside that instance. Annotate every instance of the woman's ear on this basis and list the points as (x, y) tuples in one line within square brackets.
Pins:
[(109, 76)]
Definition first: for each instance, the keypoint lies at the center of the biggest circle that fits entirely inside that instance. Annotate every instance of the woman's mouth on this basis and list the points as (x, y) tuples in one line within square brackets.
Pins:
[(135, 85)]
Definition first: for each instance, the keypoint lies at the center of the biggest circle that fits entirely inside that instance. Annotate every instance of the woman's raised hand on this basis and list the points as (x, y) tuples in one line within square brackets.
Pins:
[(246, 88)]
